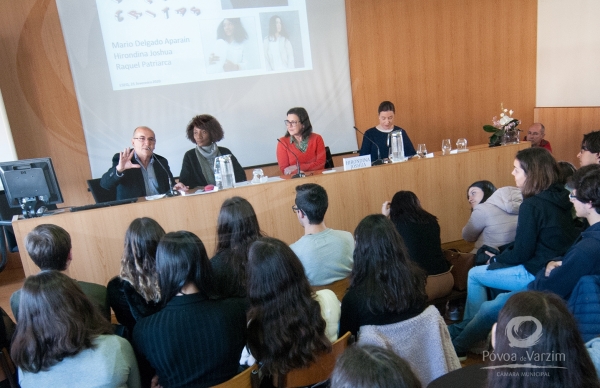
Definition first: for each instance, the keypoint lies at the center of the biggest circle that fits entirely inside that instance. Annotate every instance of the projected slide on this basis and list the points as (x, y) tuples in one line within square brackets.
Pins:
[(164, 42)]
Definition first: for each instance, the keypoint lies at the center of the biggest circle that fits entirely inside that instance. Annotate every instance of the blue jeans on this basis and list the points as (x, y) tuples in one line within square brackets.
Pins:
[(464, 334), (510, 279)]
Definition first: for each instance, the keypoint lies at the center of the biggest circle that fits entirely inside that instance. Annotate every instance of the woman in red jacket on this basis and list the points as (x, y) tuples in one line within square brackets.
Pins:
[(299, 140)]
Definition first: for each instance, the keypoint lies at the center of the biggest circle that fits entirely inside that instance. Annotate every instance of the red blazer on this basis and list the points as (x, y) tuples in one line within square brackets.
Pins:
[(311, 160)]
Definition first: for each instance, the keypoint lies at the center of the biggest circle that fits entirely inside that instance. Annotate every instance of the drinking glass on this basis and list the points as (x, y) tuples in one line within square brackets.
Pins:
[(461, 144), (421, 151), (446, 147), (257, 175)]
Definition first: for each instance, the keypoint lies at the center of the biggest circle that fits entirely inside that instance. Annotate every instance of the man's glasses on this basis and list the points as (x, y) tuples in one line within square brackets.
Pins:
[(143, 139), (295, 208)]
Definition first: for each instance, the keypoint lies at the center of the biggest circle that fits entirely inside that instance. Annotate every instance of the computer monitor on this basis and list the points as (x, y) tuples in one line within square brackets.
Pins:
[(30, 184)]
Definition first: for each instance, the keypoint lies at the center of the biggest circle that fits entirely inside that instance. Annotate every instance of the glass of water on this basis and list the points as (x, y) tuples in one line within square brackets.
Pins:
[(421, 151), (257, 175), (461, 144), (446, 146)]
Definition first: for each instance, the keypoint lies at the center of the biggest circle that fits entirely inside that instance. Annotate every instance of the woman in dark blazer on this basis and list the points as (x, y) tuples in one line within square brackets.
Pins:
[(197, 167)]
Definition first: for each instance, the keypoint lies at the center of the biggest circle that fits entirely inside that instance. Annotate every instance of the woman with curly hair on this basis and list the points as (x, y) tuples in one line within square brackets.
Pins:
[(197, 168), (385, 285), (289, 325), (62, 339), (135, 293), (237, 228)]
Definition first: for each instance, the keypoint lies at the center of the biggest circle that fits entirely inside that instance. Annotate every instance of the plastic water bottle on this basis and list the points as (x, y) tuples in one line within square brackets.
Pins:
[(217, 170), (227, 175)]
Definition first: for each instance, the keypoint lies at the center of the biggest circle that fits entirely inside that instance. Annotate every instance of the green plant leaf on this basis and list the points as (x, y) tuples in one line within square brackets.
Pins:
[(490, 128)]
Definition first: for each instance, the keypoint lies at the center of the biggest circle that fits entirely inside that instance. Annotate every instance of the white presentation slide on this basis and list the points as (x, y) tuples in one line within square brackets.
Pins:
[(159, 63), (157, 42)]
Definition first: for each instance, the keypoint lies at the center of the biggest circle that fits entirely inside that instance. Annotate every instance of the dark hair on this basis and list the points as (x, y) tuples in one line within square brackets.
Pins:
[(386, 106), (311, 199), (49, 246), (56, 320), (285, 328), (180, 259), (565, 171), (586, 183), (239, 32), (303, 119), (406, 208), (591, 142), (207, 123), (237, 228), (541, 170), (138, 263), (273, 28), (560, 339), (487, 187), (382, 265), (366, 366)]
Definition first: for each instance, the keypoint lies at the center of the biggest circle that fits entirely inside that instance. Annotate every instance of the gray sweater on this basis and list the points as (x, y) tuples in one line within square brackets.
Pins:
[(494, 222)]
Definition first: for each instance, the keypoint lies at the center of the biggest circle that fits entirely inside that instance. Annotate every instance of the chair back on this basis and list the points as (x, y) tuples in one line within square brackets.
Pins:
[(99, 193), (241, 380), (423, 341), (339, 287), (318, 371), (328, 158)]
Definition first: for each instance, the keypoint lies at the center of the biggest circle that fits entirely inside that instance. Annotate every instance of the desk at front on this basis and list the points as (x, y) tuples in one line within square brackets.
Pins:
[(441, 184)]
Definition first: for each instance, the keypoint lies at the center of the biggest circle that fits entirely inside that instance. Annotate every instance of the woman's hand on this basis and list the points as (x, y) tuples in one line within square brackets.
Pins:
[(180, 187), (290, 169), (551, 265), (385, 208)]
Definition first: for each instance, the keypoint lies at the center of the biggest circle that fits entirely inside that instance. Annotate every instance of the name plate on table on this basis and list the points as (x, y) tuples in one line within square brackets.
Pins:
[(357, 162)]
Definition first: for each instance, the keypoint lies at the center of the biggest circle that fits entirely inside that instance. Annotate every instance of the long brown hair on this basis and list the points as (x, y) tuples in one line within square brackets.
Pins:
[(56, 320), (285, 329)]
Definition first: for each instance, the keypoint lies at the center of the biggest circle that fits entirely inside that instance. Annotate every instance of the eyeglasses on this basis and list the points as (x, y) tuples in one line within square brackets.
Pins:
[(289, 123), (573, 196), (295, 208), (143, 139)]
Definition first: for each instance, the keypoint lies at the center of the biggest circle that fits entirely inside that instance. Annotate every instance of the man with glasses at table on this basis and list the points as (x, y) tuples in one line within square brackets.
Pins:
[(138, 171)]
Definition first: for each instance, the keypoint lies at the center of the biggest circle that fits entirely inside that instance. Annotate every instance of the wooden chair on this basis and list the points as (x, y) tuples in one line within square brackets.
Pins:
[(339, 287), (241, 380), (320, 370)]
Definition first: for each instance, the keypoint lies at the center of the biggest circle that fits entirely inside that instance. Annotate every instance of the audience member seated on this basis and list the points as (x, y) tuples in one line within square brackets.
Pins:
[(590, 149), (479, 192), (419, 229), (557, 359), (560, 275), (535, 134), (367, 366), (300, 142), (380, 135), (195, 340), (565, 171), (288, 324), (197, 168), (545, 230), (134, 172), (49, 247), (386, 286), (494, 222), (62, 340), (237, 229), (135, 294), (325, 253)]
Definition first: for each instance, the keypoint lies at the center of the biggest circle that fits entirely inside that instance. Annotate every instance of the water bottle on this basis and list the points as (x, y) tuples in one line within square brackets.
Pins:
[(217, 170), (397, 146), (227, 176)]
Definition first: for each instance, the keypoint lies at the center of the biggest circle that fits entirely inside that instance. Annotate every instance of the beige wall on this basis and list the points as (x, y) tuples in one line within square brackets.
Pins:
[(447, 65)]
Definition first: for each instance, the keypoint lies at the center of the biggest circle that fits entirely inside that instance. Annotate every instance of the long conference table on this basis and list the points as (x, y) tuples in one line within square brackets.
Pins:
[(440, 182)]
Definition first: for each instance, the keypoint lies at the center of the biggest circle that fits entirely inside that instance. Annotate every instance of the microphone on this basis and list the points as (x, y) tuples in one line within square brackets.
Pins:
[(171, 192), (378, 161), (299, 174)]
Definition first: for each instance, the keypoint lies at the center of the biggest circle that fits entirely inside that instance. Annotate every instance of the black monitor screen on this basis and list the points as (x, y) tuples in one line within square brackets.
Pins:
[(30, 178)]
